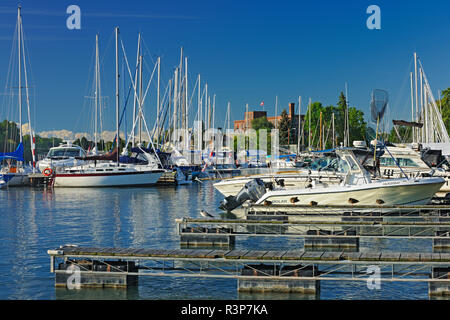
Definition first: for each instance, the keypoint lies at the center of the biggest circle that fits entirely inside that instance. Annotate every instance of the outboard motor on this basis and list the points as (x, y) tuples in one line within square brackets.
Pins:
[(252, 190)]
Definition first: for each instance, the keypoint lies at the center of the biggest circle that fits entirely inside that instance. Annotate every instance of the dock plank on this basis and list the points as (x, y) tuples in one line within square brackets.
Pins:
[(312, 255), (352, 256), (254, 254), (273, 254), (217, 253), (390, 256), (370, 256), (445, 257), (235, 254), (292, 255), (330, 255), (410, 257)]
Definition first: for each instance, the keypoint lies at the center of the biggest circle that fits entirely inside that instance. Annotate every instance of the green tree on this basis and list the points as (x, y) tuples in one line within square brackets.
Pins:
[(444, 105), (285, 128), (262, 123)]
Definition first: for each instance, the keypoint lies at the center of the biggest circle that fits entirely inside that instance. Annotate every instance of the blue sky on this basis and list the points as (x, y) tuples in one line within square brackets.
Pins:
[(247, 51)]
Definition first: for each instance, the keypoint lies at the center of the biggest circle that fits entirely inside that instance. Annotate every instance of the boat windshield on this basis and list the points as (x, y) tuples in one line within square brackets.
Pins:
[(326, 163), (63, 152)]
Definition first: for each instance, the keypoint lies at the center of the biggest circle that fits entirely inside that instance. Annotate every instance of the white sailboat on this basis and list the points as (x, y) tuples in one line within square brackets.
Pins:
[(110, 172), (17, 174)]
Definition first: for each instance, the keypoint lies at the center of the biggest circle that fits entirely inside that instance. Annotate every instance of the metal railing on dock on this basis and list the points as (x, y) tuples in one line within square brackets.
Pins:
[(361, 227), (254, 269)]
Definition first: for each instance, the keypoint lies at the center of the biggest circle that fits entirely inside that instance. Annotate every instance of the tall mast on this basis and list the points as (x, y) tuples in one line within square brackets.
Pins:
[(135, 81), (185, 118), (117, 93), (200, 116), (140, 99), (96, 90), (206, 107), (422, 109), (347, 126), (299, 123), (276, 112), (19, 34), (175, 99), (332, 123), (417, 94), (309, 124), (413, 133), (320, 131), (157, 101), (213, 111)]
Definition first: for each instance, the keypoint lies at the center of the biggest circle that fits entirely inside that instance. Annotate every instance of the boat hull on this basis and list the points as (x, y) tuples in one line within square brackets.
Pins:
[(116, 179), (232, 186), (398, 192)]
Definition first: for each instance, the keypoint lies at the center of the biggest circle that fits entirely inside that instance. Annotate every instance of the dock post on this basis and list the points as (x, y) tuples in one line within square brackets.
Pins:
[(284, 282), (439, 288)]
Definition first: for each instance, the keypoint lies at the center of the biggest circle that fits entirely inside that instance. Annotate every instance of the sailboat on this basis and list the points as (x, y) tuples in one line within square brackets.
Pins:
[(17, 174), (107, 170)]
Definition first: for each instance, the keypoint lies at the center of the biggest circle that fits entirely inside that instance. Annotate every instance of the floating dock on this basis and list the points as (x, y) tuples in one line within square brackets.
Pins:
[(255, 270), (39, 180)]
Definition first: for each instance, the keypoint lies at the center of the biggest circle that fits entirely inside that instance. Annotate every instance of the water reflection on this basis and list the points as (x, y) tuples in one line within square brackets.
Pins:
[(34, 221)]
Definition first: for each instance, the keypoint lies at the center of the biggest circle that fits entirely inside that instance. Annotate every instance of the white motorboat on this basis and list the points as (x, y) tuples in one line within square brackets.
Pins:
[(411, 163), (320, 172), (63, 156), (356, 189)]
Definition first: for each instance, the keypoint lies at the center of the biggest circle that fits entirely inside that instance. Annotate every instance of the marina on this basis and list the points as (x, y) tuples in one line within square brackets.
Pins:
[(185, 172)]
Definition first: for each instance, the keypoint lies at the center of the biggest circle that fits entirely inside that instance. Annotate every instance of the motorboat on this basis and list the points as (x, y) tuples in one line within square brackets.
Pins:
[(356, 189), (62, 156), (321, 171)]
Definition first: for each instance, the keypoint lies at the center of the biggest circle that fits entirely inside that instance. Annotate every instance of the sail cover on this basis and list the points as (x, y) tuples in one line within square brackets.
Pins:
[(15, 155)]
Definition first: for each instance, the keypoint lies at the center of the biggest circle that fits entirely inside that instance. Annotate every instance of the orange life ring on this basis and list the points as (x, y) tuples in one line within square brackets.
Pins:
[(47, 172)]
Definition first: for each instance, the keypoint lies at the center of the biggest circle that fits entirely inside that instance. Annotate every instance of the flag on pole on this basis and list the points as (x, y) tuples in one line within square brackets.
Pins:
[(262, 103)]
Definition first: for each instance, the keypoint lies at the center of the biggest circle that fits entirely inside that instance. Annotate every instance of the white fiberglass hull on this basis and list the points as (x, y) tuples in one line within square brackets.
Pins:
[(298, 180), (112, 179), (391, 192)]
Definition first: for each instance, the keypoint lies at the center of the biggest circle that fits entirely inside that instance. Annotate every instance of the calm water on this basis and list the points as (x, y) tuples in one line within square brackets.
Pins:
[(33, 221)]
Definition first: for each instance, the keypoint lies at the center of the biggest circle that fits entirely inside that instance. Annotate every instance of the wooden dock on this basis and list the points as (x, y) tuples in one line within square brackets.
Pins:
[(39, 180), (287, 265)]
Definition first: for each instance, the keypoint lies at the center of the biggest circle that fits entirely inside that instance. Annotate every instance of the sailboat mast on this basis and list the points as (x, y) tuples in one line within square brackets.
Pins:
[(334, 135), (276, 112), (200, 116), (140, 99), (96, 90), (117, 93), (417, 94), (175, 99), (157, 101), (299, 123), (135, 93), (413, 133), (19, 34), (309, 124)]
